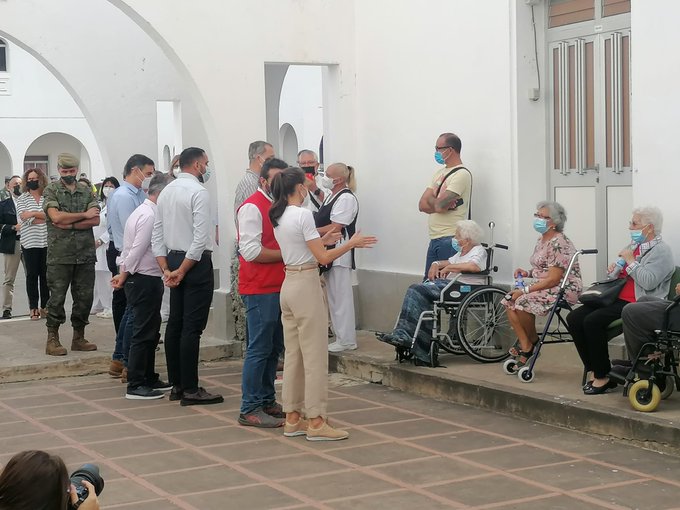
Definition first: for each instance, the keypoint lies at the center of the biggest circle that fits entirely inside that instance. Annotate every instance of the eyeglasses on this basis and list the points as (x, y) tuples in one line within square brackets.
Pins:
[(443, 147)]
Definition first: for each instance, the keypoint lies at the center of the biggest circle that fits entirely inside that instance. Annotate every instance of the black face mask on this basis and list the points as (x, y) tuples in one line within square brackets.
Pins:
[(68, 179), (17, 189), (33, 185), (308, 170)]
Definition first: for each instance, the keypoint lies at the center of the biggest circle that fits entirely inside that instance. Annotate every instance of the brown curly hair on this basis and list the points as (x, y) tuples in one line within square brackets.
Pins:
[(42, 179)]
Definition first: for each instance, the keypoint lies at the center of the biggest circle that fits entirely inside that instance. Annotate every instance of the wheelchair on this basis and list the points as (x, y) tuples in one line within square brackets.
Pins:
[(654, 373), (467, 318)]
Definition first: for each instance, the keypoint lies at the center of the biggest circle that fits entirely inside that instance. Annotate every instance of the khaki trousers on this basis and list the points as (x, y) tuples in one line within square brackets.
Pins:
[(11, 267), (305, 337)]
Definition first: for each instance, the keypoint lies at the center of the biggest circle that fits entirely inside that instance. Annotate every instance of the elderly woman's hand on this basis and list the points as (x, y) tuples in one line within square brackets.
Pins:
[(520, 271), (627, 255), (433, 272), (515, 294)]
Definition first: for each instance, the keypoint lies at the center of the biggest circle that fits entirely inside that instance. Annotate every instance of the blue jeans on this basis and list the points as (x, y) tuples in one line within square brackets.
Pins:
[(439, 249), (122, 348), (265, 344)]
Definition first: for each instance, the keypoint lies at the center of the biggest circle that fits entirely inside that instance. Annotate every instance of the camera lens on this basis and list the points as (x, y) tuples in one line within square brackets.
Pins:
[(88, 472)]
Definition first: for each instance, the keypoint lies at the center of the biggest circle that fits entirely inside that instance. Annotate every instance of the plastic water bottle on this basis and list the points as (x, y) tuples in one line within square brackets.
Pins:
[(519, 282), (617, 269)]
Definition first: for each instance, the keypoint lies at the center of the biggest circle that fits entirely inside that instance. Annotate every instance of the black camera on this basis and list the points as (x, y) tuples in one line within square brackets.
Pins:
[(88, 472)]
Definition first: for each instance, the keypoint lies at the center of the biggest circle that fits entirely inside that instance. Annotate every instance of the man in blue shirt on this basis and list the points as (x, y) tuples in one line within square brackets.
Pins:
[(120, 204)]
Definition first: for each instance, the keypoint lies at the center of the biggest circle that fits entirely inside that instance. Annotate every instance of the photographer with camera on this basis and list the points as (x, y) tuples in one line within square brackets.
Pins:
[(36, 480)]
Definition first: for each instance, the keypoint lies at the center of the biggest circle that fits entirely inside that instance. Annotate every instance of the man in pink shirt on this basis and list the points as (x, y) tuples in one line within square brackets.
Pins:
[(142, 279)]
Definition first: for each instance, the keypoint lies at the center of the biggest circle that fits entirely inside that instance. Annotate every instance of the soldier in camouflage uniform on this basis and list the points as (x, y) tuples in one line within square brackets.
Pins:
[(72, 210)]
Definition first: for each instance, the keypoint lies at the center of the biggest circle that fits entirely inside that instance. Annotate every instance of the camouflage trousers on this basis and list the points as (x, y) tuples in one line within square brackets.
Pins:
[(237, 307), (80, 277)]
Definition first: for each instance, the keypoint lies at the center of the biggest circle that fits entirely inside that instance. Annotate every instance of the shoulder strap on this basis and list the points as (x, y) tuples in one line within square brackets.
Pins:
[(446, 177), (449, 175)]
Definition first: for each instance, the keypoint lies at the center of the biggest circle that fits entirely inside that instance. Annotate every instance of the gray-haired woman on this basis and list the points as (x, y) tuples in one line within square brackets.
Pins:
[(470, 258), (549, 261), (648, 269)]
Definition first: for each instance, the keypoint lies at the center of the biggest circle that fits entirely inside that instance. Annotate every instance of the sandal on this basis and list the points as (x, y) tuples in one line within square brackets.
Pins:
[(523, 357), (35, 314), (516, 348)]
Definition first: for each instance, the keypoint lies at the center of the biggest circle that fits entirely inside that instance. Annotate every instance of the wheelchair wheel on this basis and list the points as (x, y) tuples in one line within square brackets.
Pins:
[(525, 375), (643, 398), (434, 354), (510, 366), (483, 327), (666, 386), (403, 354)]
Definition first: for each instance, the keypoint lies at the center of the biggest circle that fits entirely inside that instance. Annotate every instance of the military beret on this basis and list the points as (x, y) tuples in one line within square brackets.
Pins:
[(65, 160)]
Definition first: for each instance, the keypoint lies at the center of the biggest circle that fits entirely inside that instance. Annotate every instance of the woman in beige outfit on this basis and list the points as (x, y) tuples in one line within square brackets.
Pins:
[(303, 313)]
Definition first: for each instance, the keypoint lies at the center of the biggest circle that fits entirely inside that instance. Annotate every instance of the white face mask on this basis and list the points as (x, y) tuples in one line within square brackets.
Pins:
[(146, 183), (327, 182), (107, 190), (305, 198), (207, 174), (176, 171)]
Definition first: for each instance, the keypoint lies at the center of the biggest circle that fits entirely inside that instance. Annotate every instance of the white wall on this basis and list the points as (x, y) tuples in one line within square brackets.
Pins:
[(655, 111), (52, 144), (302, 105), (39, 104)]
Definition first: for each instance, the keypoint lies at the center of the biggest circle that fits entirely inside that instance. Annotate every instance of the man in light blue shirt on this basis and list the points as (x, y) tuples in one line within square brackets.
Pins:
[(120, 205)]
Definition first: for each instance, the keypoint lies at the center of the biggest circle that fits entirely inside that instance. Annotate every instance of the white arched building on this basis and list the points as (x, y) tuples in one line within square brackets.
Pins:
[(552, 98)]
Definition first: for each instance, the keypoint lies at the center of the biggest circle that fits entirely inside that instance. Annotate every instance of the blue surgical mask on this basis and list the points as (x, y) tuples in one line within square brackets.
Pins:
[(439, 158), (637, 236), (455, 244), (540, 225)]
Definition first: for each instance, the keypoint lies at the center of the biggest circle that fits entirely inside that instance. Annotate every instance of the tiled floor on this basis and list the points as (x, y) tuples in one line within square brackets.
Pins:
[(404, 452)]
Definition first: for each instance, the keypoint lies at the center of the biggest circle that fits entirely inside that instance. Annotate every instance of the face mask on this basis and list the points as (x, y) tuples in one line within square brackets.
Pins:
[(327, 182), (68, 179), (637, 236), (176, 171), (455, 244), (206, 176), (146, 183), (107, 191), (33, 185), (308, 170), (439, 158), (540, 225), (305, 198)]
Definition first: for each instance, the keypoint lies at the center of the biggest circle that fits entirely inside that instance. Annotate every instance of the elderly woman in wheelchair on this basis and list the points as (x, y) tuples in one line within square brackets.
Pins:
[(549, 261), (471, 257)]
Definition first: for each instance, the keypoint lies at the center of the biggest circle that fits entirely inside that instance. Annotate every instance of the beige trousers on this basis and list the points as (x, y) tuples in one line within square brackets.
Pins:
[(11, 267), (305, 336)]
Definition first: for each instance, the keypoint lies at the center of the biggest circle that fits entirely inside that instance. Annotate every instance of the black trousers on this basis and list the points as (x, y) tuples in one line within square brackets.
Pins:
[(35, 267), (118, 299), (189, 308), (588, 328), (144, 294)]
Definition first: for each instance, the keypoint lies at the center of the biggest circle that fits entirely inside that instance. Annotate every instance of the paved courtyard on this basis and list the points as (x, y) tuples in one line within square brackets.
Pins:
[(404, 452)]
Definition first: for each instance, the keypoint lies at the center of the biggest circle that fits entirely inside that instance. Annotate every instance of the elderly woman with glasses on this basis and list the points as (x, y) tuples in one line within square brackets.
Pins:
[(550, 260), (470, 257), (647, 265)]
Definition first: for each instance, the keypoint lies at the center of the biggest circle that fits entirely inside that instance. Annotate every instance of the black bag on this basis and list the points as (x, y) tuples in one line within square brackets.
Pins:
[(603, 293)]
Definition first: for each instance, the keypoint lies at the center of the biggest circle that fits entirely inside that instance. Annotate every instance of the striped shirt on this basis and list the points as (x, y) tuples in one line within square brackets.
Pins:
[(246, 187), (32, 235)]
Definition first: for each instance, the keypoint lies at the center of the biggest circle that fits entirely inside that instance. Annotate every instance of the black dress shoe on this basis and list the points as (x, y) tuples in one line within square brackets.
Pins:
[(599, 390), (176, 393), (200, 398)]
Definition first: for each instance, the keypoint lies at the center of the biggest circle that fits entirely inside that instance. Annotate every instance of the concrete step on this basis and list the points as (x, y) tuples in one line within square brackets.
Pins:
[(555, 396)]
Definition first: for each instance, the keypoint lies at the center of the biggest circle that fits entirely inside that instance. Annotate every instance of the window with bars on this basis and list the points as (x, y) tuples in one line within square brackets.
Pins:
[(567, 12)]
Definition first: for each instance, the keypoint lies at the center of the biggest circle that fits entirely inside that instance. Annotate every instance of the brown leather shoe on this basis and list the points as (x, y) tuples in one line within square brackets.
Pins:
[(79, 343), (116, 368), (54, 347)]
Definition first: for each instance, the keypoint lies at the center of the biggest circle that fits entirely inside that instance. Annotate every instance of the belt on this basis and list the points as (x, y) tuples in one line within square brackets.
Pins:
[(180, 252), (303, 267)]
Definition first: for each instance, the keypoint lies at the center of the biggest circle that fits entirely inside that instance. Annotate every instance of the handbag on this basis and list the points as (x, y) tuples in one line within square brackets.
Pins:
[(603, 293)]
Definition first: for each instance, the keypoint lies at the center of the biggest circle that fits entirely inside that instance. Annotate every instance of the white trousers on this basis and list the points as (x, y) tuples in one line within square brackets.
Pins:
[(341, 304), (103, 292)]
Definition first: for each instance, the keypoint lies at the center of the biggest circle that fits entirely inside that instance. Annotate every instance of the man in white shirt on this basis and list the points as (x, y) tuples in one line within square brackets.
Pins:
[(308, 161), (182, 246), (142, 279)]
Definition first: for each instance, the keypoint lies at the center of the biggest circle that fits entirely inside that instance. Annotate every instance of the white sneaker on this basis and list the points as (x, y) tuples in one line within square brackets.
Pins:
[(338, 347), (105, 314)]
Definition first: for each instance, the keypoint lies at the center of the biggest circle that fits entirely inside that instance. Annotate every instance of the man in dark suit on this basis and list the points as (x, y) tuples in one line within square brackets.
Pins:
[(9, 243)]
